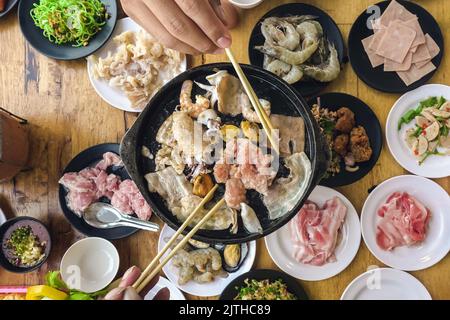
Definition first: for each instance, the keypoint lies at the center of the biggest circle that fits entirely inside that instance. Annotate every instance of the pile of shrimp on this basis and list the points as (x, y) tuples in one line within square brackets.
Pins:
[(295, 48)]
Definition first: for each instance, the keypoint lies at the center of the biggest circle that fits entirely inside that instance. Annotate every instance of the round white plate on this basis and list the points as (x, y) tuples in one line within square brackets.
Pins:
[(385, 284), (279, 243), (2, 217), (90, 264), (175, 293), (437, 242), (114, 96), (214, 288), (433, 166)]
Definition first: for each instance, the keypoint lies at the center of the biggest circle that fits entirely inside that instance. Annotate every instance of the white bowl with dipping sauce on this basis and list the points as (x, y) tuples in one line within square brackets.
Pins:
[(246, 4), (90, 264)]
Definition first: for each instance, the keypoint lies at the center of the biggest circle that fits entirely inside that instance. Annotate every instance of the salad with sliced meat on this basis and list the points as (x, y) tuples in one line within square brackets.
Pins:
[(430, 134)]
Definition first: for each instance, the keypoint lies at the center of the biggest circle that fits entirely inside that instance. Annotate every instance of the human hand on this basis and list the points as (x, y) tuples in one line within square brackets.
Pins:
[(189, 26), (125, 291)]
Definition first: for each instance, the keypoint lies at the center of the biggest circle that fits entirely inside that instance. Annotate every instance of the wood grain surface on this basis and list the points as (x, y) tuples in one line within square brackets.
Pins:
[(66, 116)]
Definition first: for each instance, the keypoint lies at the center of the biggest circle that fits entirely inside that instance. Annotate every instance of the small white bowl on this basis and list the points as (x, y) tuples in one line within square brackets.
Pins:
[(246, 4), (90, 264)]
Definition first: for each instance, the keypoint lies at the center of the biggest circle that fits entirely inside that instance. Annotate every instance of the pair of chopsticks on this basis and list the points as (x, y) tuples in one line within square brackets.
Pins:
[(151, 271), (254, 100)]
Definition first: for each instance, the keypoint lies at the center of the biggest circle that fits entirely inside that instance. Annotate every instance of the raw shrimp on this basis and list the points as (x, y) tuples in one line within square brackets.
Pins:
[(325, 72), (290, 74), (279, 32), (193, 109), (310, 35), (249, 113)]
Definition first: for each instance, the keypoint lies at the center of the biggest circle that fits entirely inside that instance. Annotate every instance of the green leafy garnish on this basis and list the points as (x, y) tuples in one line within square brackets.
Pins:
[(432, 102)]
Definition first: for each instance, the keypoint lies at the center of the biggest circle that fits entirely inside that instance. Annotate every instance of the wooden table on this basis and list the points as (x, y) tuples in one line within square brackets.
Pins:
[(66, 116)]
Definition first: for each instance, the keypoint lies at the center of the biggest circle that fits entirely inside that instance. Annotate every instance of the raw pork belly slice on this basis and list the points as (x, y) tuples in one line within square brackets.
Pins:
[(314, 231), (129, 199), (404, 221)]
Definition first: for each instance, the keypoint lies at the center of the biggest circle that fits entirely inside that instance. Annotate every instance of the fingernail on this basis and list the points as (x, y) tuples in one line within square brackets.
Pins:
[(128, 272), (224, 42)]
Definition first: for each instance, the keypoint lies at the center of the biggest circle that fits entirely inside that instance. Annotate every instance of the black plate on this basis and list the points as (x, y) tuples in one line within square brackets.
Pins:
[(376, 78), (9, 6), (231, 290), (284, 100), (331, 30), (4, 261), (35, 37), (365, 117), (89, 158)]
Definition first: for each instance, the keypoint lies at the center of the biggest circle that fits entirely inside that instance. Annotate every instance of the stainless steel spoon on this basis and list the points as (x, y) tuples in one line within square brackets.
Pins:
[(104, 216)]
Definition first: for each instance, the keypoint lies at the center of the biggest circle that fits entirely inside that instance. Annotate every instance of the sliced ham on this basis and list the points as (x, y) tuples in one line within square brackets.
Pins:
[(314, 231), (415, 73), (400, 44), (375, 60), (404, 221), (396, 42)]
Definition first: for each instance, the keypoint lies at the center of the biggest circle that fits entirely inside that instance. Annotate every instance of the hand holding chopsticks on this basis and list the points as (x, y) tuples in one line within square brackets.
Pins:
[(147, 275)]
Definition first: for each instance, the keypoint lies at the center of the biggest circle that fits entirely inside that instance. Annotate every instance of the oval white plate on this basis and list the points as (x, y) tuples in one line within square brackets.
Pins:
[(175, 293), (385, 284), (205, 289), (433, 166), (90, 264), (279, 243), (114, 96), (437, 242)]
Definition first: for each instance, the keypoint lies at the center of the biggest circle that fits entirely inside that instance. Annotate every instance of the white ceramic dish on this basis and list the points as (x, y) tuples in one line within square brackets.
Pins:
[(206, 289), (175, 293), (114, 96), (433, 166), (279, 243), (437, 242), (246, 4), (385, 284), (90, 264), (2, 217)]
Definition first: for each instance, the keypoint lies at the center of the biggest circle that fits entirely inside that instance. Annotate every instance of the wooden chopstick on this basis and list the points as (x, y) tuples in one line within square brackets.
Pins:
[(155, 260), (262, 115), (180, 245)]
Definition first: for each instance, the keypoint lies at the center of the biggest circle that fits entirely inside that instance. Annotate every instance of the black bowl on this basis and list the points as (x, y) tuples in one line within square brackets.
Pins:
[(375, 77), (34, 35), (231, 290), (89, 158), (330, 28), (284, 100), (4, 228), (9, 6), (365, 117)]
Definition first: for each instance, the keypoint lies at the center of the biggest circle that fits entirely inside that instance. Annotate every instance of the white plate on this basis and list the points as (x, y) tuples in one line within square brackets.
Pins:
[(279, 243), (433, 166), (385, 284), (214, 288), (2, 217), (90, 264), (114, 96), (437, 242), (175, 293)]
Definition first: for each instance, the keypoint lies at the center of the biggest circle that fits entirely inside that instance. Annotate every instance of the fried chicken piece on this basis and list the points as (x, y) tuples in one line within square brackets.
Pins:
[(340, 144), (360, 144), (346, 120)]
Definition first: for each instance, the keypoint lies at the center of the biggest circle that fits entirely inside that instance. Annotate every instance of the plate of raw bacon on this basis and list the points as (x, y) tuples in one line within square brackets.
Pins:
[(405, 223), (321, 240)]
